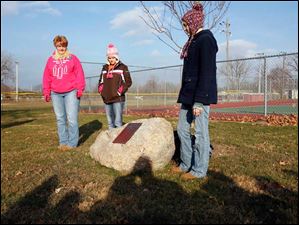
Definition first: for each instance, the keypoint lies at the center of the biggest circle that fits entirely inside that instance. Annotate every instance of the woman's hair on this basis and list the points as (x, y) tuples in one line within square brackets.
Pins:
[(61, 40)]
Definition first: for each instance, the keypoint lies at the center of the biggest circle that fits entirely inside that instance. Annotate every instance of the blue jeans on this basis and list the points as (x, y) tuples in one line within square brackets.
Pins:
[(114, 113), (66, 108), (194, 159)]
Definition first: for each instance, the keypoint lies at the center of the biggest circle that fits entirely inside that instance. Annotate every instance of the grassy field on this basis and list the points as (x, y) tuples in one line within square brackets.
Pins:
[(252, 178)]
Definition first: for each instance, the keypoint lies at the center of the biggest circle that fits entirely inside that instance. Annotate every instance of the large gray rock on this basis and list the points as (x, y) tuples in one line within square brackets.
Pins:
[(154, 140)]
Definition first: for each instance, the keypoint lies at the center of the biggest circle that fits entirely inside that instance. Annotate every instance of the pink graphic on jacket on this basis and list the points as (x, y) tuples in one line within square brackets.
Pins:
[(63, 75), (60, 68)]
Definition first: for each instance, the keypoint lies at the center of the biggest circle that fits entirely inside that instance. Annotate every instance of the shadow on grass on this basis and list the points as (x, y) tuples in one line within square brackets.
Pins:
[(35, 207), (142, 198), (291, 173), (86, 130), (17, 123)]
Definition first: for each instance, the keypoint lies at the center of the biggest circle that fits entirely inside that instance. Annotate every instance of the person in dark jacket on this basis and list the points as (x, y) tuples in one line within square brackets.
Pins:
[(114, 82), (198, 91)]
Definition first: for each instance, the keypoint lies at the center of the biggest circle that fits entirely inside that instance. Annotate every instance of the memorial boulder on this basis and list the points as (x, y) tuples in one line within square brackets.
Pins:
[(120, 148)]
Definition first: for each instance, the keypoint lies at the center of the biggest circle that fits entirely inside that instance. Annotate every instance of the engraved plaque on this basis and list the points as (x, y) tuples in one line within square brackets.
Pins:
[(127, 133)]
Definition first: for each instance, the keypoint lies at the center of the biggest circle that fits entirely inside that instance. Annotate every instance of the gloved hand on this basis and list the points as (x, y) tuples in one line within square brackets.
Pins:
[(79, 94), (120, 90), (47, 98)]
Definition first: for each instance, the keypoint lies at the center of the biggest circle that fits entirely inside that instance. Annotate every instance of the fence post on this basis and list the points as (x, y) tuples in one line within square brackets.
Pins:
[(89, 91), (17, 81), (137, 96), (126, 103), (165, 90), (265, 88)]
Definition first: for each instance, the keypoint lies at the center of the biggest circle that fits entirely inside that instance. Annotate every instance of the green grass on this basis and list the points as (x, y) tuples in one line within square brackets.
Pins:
[(252, 177)]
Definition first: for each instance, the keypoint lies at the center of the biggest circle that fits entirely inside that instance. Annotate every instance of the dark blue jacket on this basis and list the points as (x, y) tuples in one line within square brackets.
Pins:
[(199, 71)]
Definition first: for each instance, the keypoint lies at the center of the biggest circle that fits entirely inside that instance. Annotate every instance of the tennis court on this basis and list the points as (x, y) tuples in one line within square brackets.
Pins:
[(277, 109)]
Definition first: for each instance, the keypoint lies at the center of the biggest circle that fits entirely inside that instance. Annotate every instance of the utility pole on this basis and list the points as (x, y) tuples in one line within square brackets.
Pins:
[(227, 34), (17, 81)]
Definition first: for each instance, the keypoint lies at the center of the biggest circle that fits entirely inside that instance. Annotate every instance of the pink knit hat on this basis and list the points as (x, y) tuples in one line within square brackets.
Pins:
[(112, 51)]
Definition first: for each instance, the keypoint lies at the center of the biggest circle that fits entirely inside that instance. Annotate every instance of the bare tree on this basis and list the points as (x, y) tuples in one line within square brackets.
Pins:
[(151, 85), (259, 70), (7, 71), (236, 73), (277, 78), (293, 63), (166, 22)]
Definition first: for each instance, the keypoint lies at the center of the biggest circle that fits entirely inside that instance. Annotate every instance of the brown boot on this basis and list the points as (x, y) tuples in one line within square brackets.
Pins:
[(61, 147), (177, 169), (64, 147), (188, 176)]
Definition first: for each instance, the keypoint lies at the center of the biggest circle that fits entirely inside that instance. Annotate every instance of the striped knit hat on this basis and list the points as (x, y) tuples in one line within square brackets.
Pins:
[(194, 19)]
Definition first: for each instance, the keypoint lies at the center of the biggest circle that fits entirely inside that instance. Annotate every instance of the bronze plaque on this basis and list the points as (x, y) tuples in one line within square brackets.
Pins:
[(127, 133)]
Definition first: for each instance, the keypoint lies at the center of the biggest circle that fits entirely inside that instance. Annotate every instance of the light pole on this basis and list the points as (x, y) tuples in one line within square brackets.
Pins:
[(227, 34), (259, 72), (17, 80)]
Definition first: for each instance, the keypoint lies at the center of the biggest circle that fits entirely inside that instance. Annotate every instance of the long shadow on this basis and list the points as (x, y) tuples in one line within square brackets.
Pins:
[(140, 198), (233, 204), (17, 123), (86, 130), (30, 209), (35, 208)]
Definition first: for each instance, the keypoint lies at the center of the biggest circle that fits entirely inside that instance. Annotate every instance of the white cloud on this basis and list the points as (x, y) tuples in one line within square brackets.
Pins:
[(155, 53), (29, 8), (240, 48), (50, 11), (10, 8), (130, 33), (132, 22), (38, 4), (143, 42)]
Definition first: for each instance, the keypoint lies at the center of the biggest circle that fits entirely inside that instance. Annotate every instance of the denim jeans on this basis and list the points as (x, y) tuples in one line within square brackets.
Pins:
[(194, 159), (114, 113), (66, 108)]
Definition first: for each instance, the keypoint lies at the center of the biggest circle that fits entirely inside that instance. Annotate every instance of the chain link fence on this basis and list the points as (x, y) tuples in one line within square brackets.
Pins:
[(259, 85)]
